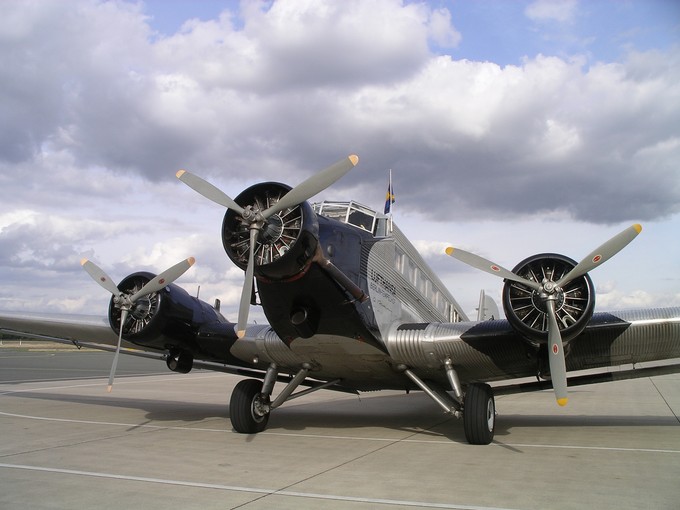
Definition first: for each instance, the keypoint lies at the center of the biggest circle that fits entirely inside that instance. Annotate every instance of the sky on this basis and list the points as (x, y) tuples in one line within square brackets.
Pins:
[(511, 128)]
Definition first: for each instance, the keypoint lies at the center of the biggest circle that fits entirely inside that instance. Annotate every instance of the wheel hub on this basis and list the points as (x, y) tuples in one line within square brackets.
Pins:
[(260, 407), (490, 414)]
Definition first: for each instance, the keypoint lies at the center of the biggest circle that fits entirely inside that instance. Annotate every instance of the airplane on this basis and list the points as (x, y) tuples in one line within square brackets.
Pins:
[(351, 306)]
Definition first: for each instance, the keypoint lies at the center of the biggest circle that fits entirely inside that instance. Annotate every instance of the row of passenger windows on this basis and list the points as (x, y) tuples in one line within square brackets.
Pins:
[(413, 275), (360, 216)]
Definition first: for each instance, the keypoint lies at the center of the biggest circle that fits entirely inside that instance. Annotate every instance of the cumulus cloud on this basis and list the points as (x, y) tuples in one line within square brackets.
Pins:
[(442, 32), (30, 238), (303, 83), (99, 111), (298, 85), (555, 10), (621, 300)]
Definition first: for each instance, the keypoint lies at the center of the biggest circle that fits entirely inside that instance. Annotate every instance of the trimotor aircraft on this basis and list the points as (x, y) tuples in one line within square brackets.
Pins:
[(353, 307)]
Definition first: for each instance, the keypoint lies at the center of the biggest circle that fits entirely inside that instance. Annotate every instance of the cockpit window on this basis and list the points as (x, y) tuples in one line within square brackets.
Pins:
[(352, 213), (361, 220)]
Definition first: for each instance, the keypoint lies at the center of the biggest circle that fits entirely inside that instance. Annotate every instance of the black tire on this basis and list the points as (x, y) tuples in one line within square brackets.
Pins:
[(243, 405), (479, 414)]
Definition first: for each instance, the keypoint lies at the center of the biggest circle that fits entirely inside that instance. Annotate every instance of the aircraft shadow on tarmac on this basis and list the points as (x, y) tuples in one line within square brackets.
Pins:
[(157, 410), (416, 415), (411, 413)]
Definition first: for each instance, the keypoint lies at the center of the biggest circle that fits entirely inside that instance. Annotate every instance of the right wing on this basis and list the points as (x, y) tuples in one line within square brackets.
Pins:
[(76, 330), (93, 333)]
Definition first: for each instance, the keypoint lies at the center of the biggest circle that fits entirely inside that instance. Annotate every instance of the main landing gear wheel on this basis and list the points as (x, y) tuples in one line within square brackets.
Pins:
[(479, 414), (248, 407)]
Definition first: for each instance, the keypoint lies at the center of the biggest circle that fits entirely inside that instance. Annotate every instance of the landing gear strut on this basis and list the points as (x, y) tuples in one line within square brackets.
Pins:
[(477, 406), (250, 404)]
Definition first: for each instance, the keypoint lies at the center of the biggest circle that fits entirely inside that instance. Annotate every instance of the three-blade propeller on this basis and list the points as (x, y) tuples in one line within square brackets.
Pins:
[(126, 302), (550, 292), (257, 219)]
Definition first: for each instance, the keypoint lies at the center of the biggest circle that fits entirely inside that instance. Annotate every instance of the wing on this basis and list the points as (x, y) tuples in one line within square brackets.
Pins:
[(495, 351), (77, 330), (96, 333)]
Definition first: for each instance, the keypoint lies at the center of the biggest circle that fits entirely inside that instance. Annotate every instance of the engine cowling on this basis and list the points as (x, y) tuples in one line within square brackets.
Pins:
[(525, 308), (286, 242), (173, 321)]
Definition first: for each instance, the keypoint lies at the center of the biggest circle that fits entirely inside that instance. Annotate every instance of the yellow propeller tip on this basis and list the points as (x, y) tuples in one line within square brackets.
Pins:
[(450, 250), (83, 261), (109, 388), (180, 173), (562, 401), (191, 261), (354, 159), (637, 227), (241, 333)]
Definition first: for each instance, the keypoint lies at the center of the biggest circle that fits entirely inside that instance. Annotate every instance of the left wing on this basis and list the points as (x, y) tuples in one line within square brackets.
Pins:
[(548, 292), (494, 351)]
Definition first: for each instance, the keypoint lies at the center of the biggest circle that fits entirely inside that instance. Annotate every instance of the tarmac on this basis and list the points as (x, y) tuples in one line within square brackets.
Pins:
[(162, 439)]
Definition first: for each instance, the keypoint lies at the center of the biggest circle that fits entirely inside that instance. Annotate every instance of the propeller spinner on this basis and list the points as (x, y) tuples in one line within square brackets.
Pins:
[(257, 219), (550, 292), (126, 302)]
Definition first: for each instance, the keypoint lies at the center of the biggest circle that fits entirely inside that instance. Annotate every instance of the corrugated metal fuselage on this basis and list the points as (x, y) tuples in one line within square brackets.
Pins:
[(407, 322)]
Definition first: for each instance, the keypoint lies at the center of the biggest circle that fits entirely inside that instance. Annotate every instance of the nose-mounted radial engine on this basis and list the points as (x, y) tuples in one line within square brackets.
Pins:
[(270, 226), (549, 298), (286, 242)]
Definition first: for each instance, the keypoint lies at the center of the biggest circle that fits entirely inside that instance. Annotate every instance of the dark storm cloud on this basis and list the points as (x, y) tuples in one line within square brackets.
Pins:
[(295, 87), (99, 111)]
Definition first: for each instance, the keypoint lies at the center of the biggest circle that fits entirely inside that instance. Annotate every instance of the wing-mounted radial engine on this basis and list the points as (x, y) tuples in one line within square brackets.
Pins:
[(527, 310), (152, 311), (168, 318), (549, 298), (270, 226), (285, 244), (526, 307)]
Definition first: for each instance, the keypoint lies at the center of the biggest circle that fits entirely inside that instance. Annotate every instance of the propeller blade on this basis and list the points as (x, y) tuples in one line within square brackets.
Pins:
[(209, 191), (166, 277), (99, 276), (315, 184), (602, 254), (489, 267), (112, 374), (558, 369), (247, 291)]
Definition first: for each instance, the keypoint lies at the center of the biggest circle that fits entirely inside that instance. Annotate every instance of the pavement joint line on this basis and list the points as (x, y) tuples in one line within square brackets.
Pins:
[(157, 377), (252, 490), (390, 442), (661, 395), (107, 423), (596, 448), (447, 442), (313, 436), (328, 470)]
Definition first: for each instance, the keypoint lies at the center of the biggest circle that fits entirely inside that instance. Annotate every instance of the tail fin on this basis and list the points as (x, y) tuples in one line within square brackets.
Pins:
[(487, 310)]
